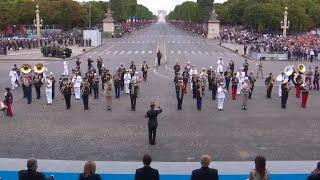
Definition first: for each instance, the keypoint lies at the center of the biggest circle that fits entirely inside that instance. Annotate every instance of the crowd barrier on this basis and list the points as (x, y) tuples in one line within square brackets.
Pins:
[(269, 56)]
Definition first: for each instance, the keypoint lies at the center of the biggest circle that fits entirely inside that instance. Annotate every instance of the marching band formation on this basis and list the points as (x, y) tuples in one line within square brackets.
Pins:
[(187, 80)]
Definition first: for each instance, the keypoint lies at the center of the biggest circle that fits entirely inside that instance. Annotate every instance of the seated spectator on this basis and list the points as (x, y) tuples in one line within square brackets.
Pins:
[(260, 172), (31, 172), (146, 173), (89, 172), (315, 174), (205, 173)]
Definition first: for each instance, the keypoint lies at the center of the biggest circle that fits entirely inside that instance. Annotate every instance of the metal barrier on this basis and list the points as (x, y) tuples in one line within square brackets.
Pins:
[(269, 56)]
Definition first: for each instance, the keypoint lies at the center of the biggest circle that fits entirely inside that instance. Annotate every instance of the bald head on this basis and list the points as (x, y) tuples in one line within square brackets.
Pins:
[(205, 160)]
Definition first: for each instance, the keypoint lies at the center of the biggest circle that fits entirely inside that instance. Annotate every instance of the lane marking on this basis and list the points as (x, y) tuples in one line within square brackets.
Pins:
[(150, 52), (142, 52), (121, 52), (179, 52), (129, 52), (115, 52), (108, 52), (136, 52)]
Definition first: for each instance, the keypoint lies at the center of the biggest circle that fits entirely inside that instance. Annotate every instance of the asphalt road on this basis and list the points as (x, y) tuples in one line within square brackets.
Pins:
[(51, 132)]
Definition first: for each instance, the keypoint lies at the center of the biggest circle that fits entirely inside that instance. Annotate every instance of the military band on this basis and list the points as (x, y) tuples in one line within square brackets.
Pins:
[(85, 91)]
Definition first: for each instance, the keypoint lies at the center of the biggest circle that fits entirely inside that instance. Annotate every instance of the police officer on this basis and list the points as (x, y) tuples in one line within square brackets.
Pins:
[(152, 114)]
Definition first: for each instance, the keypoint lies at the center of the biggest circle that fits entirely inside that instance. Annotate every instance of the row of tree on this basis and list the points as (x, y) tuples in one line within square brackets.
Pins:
[(258, 15), (195, 11), (69, 14)]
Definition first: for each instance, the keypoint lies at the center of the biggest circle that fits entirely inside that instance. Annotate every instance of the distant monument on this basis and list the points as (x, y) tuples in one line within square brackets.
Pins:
[(213, 26), (108, 22)]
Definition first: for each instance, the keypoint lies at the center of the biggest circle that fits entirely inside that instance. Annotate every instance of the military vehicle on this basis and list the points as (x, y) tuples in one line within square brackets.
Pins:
[(56, 51)]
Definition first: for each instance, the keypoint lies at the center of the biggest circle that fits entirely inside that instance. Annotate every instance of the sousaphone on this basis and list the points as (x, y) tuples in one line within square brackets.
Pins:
[(302, 68), (39, 68), (25, 68)]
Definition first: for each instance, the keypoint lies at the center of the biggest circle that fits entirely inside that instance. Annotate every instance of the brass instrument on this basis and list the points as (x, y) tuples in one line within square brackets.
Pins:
[(288, 70), (25, 81), (302, 68), (39, 68), (85, 86), (25, 68), (270, 83), (66, 85)]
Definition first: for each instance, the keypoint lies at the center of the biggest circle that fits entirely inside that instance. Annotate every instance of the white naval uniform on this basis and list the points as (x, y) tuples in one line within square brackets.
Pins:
[(241, 77), (48, 90), (65, 68), (127, 80), (220, 65), (192, 72), (220, 96), (77, 80), (13, 78), (280, 82)]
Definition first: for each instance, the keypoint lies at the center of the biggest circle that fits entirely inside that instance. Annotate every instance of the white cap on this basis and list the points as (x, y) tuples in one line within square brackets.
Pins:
[(136, 73), (210, 67), (51, 73), (188, 62), (203, 68)]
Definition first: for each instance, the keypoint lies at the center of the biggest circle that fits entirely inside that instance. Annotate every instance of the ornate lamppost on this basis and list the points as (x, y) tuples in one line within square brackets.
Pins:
[(285, 24), (38, 22)]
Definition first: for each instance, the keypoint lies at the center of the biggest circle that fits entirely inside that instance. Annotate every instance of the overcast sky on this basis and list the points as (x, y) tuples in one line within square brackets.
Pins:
[(155, 5)]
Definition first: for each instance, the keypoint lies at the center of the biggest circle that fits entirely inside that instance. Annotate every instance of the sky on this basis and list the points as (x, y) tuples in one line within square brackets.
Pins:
[(155, 5)]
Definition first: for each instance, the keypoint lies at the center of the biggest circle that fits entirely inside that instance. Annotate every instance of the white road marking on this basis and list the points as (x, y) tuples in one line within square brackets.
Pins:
[(121, 52), (115, 52), (179, 52), (199, 52), (206, 52), (108, 52), (129, 52), (213, 53), (136, 52), (173, 42), (142, 52), (172, 52), (148, 41), (150, 52), (138, 41), (186, 52), (192, 52)]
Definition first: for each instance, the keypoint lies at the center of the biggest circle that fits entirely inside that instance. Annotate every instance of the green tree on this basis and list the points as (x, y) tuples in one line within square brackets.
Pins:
[(204, 10)]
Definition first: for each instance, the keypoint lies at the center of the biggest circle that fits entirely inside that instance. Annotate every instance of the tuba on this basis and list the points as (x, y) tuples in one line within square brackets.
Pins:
[(25, 68), (302, 68), (288, 70), (39, 68)]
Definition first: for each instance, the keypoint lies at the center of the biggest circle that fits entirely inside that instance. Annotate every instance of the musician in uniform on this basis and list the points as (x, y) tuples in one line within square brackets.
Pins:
[(252, 80), (37, 84), (246, 67), (99, 65), (214, 85), (108, 92), (78, 63), (133, 87), (298, 80), (122, 72), (269, 85), (176, 68), (27, 83), (199, 93), (309, 74), (179, 93), (67, 91), (85, 88), (53, 88), (144, 69), (117, 84), (48, 89), (152, 114), (305, 88), (227, 77), (89, 63), (14, 78), (90, 80), (285, 88), (234, 86), (103, 77), (260, 69), (231, 66), (96, 88), (209, 72), (159, 56), (127, 80), (281, 77), (77, 80), (221, 96), (133, 68), (185, 78), (245, 93), (220, 65), (8, 100), (316, 78)]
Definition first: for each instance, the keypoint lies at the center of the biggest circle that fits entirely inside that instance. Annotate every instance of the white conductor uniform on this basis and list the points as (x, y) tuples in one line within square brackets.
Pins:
[(65, 68), (221, 96), (48, 89), (13, 78), (77, 80), (220, 65), (127, 80)]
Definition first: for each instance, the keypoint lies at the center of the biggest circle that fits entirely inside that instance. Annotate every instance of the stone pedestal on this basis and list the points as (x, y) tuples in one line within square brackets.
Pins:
[(108, 22), (213, 26)]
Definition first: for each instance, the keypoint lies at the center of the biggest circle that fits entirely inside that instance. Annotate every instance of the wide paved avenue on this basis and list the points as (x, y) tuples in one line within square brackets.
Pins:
[(52, 132)]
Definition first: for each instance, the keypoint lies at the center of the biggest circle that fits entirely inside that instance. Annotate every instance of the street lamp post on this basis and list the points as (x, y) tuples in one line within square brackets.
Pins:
[(285, 23), (38, 22)]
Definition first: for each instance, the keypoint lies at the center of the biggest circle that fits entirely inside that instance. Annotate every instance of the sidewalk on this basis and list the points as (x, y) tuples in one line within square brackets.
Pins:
[(35, 54)]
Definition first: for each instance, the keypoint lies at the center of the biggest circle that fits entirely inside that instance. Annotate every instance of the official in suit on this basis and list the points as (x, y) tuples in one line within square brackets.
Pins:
[(146, 173), (205, 173), (31, 172)]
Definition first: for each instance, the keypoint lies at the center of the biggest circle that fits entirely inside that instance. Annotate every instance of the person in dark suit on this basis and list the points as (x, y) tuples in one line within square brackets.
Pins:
[(205, 173), (31, 172), (152, 114), (146, 173), (89, 172)]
